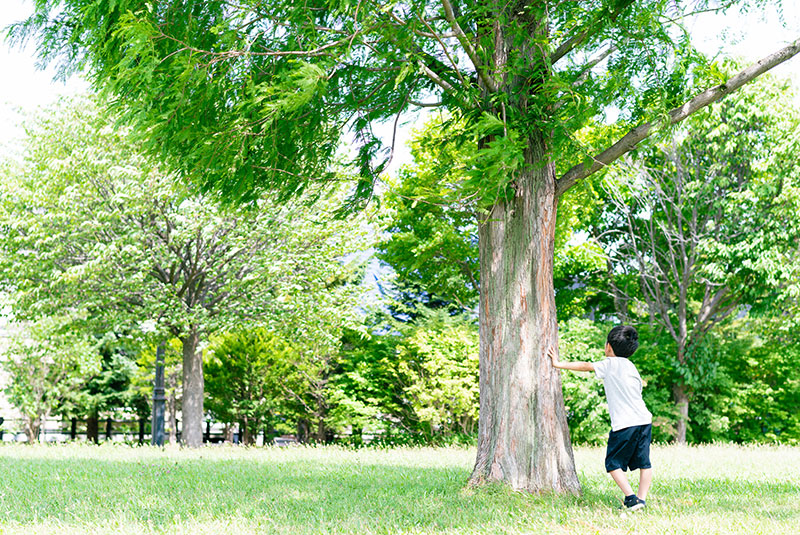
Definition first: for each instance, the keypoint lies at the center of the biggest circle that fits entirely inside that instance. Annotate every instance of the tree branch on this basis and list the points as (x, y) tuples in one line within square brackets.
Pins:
[(676, 115), (435, 78), (468, 48), (591, 27)]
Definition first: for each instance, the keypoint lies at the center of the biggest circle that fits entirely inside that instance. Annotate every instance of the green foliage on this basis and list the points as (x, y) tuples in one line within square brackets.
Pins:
[(764, 394), (757, 388), (587, 411), (439, 360), (224, 93), (47, 364), (111, 389), (244, 373), (86, 219), (491, 170), (367, 386), (432, 245)]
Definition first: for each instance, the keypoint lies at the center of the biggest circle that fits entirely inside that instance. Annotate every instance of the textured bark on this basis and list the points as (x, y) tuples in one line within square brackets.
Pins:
[(247, 436), (193, 387), (523, 438), (682, 405)]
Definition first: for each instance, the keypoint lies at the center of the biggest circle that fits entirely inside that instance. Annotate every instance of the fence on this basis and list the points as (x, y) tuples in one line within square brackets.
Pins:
[(131, 431)]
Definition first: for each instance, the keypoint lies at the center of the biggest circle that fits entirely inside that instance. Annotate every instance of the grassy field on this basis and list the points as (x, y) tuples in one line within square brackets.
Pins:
[(116, 489)]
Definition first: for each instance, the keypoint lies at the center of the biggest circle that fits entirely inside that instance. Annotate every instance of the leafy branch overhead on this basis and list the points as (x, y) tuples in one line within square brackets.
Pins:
[(258, 95)]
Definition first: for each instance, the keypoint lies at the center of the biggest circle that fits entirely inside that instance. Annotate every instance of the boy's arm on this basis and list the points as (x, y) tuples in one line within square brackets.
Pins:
[(574, 366)]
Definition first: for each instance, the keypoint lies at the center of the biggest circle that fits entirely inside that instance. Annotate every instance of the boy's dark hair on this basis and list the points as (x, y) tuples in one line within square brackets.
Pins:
[(624, 340)]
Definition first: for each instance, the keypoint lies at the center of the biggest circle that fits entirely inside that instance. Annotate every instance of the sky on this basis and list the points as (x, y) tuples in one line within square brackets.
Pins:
[(24, 87)]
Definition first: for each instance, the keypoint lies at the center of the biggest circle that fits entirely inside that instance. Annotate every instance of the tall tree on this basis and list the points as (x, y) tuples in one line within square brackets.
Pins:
[(88, 221), (256, 95), (708, 223)]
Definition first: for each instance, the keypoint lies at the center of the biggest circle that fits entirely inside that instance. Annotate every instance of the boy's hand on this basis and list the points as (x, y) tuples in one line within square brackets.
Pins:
[(552, 352)]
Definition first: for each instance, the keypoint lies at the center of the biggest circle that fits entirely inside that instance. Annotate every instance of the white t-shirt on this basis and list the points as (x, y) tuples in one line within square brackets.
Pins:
[(623, 386)]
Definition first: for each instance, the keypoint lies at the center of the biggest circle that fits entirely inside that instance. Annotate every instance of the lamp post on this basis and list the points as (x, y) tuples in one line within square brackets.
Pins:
[(159, 399)]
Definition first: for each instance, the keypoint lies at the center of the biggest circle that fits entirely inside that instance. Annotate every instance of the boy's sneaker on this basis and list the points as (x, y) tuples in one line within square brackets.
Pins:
[(633, 503)]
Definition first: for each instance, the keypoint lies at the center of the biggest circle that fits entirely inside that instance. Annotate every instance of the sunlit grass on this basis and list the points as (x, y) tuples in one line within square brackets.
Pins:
[(116, 489)]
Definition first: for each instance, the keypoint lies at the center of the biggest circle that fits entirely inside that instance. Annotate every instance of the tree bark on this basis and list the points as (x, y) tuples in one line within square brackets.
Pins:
[(172, 409), (681, 395), (193, 386), (247, 438), (93, 428), (33, 427), (523, 438), (302, 430)]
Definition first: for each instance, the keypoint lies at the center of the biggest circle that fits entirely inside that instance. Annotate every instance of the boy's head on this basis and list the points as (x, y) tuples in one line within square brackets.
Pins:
[(624, 340)]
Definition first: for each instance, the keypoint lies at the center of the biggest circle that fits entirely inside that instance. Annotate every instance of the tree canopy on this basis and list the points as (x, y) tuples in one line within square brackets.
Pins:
[(257, 95)]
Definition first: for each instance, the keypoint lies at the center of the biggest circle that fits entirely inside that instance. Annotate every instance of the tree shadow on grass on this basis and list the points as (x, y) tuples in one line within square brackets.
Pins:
[(293, 496)]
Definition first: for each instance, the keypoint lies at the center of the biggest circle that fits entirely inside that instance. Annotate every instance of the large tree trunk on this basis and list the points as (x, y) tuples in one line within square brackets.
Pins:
[(681, 395), (523, 438), (193, 386)]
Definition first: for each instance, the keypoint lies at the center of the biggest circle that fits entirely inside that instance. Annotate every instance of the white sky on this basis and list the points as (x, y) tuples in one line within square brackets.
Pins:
[(24, 87)]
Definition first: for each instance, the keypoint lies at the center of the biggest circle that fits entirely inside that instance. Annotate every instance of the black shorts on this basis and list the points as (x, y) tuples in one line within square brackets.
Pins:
[(629, 448)]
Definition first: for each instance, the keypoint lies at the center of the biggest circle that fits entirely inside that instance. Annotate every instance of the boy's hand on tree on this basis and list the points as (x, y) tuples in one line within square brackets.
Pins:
[(553, 354)]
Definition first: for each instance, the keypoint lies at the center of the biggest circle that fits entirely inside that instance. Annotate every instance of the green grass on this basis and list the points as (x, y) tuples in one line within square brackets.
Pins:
[(220, 490)]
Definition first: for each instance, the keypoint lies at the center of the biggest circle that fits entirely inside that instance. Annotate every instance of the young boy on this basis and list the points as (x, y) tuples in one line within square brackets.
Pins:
[(629, 440)]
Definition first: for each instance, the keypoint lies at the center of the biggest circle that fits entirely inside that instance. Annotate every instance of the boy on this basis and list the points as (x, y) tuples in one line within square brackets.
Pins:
[(629, 440)]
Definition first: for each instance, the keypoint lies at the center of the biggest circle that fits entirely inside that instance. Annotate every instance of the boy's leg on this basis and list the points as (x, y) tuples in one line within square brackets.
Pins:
[(645, 478), (622, 482)]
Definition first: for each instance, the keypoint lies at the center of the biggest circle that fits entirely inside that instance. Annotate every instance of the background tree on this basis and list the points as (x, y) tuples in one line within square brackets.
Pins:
[(90, 221), (439, 359), (46, 364), (108, 391), (244, 373), (708, 224), (226, 93)]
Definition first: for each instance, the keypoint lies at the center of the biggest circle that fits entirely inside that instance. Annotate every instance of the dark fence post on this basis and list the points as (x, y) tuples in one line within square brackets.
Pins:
[(159, 399), (208, 431), (73, 429), (141, 430), (108, 428)]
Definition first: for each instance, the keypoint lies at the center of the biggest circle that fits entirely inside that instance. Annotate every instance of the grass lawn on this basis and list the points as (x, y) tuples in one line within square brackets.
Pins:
[(219, 490)]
